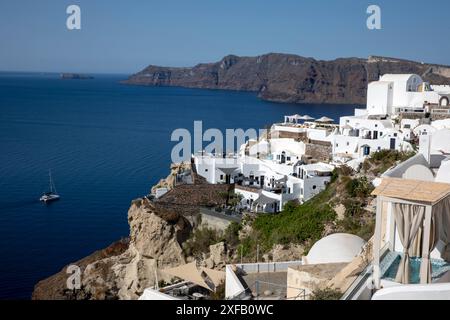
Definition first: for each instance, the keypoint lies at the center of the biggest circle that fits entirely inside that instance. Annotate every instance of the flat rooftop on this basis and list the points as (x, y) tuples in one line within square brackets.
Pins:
[(412, 190), (267, 285), (322, 271)]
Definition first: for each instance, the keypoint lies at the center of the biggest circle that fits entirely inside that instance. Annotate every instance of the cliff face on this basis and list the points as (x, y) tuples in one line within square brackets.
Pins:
[(290, 78), (124, 271), (157, 231)]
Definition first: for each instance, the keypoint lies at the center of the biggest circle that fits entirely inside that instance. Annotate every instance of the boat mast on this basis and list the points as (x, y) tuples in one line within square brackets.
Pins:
[(52, 185), (50, 179)]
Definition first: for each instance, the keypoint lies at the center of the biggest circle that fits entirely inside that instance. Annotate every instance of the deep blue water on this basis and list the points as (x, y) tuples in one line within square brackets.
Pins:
[(106, 144)]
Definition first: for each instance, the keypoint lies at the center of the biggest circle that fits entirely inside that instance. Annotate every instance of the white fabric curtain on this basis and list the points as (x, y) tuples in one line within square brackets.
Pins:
[(434, 238), (441, 212), (409, 219)]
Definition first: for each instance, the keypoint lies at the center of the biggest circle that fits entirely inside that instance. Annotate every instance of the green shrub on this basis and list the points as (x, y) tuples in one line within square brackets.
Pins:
[(296, 223), (231, 234), (382, 160), (219, 293), (200, 241), (326, 294), (359, 187)]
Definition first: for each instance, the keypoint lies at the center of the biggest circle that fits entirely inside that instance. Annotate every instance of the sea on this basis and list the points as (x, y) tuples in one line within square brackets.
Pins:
[(106, 144)]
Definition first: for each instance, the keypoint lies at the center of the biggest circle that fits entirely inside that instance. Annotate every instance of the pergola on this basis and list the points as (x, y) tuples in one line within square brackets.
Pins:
[(420, 213), (292, 119)]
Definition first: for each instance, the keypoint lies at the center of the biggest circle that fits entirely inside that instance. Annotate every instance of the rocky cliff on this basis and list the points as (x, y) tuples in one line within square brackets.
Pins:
[(158, 229), (126, 268), (290, 78)]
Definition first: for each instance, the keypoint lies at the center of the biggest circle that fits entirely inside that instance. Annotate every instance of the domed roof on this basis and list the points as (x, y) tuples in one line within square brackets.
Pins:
[(335, 248)]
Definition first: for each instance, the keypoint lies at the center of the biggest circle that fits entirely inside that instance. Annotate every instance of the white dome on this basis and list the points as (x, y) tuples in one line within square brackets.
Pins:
[(335, 248)]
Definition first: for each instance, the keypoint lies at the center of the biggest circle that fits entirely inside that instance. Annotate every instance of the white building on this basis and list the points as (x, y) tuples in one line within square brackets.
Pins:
[(274, 168), (394, 93), (266, 183)]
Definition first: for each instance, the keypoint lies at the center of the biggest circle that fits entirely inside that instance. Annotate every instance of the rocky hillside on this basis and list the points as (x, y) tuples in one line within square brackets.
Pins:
[(290, 78), (124, 271), (158, 230)]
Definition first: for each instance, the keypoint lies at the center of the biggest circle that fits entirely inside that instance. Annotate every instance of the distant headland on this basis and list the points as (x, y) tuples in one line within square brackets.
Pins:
[(75, 76), (291, 78)]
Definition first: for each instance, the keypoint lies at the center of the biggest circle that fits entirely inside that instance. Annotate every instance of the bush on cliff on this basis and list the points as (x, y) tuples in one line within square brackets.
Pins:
[(202, 238), (296, 223), (380, 161), (200, 241)]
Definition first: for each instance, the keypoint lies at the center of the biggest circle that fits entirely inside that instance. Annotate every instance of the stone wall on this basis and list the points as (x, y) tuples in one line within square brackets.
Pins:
[(440, 116), (320, 152), (299, 136)]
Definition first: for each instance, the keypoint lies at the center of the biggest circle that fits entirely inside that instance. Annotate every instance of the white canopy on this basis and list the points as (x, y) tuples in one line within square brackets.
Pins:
[(188, 272), (191, 273), (307, 118), (262, 199), (228, 171), (324, 120), (346, 127), (293, 118)]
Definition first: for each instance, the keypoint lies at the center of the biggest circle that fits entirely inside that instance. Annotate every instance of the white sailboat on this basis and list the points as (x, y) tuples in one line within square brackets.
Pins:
[(52, 195)]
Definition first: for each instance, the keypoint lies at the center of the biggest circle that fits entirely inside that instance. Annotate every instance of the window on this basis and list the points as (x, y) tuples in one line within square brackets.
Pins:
[(337, 145), (206, 170), (348, 143), (221, 177), (376, 126), (314, 187), (288, 158)]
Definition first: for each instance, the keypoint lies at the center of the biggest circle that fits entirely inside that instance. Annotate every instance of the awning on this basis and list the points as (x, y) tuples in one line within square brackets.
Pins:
[(281, 180), (262, 199), (217, 277), (228, 171), (188, 272)]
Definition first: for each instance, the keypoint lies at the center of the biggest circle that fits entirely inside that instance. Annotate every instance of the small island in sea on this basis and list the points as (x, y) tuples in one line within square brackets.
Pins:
[(75, 76)]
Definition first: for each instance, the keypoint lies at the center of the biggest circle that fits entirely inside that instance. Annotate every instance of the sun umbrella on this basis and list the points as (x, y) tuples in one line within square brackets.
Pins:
[(306, 118), (324, 120)]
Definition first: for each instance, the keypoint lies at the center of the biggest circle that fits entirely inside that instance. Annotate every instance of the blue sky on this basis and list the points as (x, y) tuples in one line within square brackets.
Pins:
[(125, 36)]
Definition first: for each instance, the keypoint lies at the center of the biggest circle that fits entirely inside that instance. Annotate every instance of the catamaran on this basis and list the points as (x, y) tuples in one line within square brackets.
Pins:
[(52, 195)]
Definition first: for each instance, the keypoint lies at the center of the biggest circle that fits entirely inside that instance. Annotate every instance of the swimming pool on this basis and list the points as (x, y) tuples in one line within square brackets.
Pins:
[(438, 267)]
